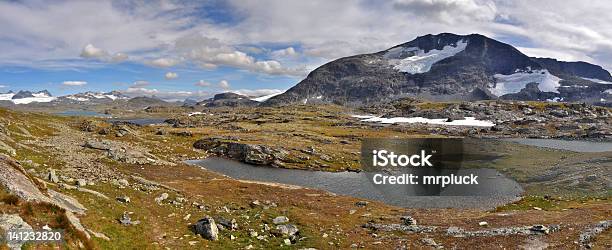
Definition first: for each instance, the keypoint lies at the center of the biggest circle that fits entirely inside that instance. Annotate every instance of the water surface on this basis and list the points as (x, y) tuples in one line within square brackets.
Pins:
[(82, 113), (494, 189), (570, 145)]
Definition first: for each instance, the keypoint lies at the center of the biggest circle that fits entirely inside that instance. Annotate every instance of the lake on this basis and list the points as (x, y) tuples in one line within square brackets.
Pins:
[(83, 113), (570, 145), (494, 189)]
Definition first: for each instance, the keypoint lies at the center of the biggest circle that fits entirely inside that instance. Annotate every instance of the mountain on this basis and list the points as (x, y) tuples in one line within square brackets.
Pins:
[(92, 97), (449, 67), (228, 99), (25, 97)]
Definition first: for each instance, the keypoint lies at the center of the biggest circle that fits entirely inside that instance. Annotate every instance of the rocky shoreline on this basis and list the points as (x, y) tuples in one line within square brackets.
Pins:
[(516, 119)]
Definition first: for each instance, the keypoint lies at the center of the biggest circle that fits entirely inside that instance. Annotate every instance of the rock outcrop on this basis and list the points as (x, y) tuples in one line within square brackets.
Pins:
[(248, 153)]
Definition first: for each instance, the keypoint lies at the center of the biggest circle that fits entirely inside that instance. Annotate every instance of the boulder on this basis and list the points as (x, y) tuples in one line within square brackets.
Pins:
[(207, 228), (408, 220), (162, 197), (287, 230), (52, 176), (280, 220), (124, 199)]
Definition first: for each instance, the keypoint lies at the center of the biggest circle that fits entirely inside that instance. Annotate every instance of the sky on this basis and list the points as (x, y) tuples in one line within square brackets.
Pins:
[(193, 49)]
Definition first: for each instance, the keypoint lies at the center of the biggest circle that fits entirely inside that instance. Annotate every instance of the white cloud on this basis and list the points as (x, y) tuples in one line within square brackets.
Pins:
[(3, 86), (139, 91), (223, 84), (331, 29), (119, 57), (450, 11), (164, 62), (90, 51), (166, 95), (139, 84), (202, 83), (210, 53), (170, 75), (290, 51), (74, 83)]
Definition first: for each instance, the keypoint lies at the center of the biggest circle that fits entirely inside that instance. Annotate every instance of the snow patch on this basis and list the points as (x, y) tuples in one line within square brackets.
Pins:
[(80, 99), (266, 97), (508, 84), (414, 60), (556, 99), (609, 91), (469, 121), (28, 100), (6, 97), (38, 97), (596, 80)]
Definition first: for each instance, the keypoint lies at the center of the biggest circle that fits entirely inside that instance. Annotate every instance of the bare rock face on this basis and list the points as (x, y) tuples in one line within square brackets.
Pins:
[(121, 153), (228, 100), (248, 153), (13, 179), (13, 222), (207, 228)]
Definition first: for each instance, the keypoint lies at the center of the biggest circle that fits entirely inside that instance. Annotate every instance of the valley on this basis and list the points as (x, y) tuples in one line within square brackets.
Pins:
[(139, 192)]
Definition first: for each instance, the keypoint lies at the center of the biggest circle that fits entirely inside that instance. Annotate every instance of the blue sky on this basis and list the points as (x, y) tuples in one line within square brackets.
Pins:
[(177, 49)]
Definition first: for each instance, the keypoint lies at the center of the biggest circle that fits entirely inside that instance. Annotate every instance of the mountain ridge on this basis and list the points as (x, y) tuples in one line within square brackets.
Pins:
[(445, 67)]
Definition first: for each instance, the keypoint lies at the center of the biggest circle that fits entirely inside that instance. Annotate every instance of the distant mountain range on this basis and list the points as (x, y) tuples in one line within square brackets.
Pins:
[(450, 67), (44, 98), (29, 97)]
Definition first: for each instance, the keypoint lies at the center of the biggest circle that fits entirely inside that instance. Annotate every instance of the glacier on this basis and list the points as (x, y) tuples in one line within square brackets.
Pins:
[(513, 83), (420, 61)]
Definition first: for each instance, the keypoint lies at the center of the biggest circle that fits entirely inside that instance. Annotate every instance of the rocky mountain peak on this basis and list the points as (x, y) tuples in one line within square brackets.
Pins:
[(446, 67)]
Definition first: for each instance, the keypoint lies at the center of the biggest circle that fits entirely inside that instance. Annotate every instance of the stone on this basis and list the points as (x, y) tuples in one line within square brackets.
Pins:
[(52, 176), (161, 197), (125, 219), (123, 199), (540, 229), (229, 224), (361, 203), (287, 242), (280, 220), (287, 230), (591, 177), (483, 223), (430, 242), (408, 220), (81, 182), (207, 228), (123, 182)]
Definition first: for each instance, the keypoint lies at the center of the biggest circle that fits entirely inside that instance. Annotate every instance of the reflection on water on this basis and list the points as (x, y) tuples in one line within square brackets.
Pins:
[(82, 113), (576, 146), (494, 189)]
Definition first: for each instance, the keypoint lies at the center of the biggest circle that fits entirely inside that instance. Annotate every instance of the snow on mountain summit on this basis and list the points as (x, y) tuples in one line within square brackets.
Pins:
[(414, 60)]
